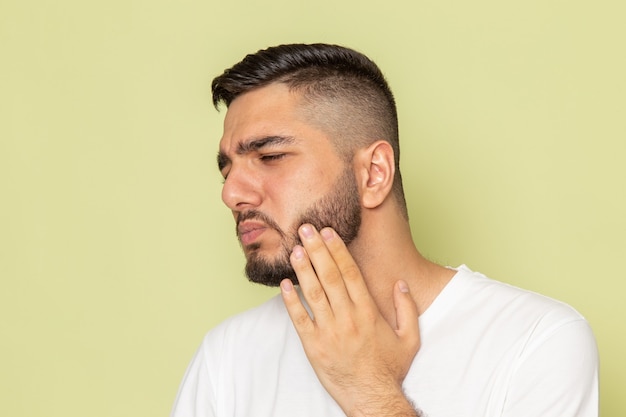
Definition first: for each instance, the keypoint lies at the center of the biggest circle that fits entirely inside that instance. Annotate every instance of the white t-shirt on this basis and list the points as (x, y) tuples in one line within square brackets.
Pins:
[(487, 349)]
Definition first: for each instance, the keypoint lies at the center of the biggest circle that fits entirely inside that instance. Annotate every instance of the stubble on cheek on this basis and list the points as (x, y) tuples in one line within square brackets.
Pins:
[(339, 209)]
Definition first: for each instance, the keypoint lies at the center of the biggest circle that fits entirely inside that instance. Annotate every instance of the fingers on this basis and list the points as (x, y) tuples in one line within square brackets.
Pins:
[(312, 288), (332, 284), (347, 340), (407, 318), (322, 277), (350, 273), (337, 270), (320, 280), (298, 314)]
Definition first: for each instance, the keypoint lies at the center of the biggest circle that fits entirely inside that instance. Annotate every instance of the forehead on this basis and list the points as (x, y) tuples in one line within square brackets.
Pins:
[(269, 110)]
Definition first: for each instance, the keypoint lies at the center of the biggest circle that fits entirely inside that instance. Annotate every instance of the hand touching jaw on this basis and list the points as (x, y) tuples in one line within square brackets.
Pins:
[(357, 356)]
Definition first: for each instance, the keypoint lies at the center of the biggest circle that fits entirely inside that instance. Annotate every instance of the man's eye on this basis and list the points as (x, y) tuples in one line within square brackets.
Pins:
[(272, 157)]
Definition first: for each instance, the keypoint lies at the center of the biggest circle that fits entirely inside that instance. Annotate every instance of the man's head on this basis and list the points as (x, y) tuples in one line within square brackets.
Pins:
[(277, 98)]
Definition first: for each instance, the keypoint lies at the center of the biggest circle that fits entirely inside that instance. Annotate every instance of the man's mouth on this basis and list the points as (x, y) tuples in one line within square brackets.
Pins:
[(249, 231)]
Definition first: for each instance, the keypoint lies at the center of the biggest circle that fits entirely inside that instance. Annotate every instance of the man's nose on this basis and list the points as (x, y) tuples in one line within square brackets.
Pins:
[(241, 189)]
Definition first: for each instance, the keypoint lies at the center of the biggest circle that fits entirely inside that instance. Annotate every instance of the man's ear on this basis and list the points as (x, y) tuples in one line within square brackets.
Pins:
[(375, 173)]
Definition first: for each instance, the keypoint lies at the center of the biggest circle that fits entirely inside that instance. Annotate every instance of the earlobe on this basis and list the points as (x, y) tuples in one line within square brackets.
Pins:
[(378, 170)]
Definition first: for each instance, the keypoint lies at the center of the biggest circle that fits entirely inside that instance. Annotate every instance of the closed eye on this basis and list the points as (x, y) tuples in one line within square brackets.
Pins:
[(272, 157)]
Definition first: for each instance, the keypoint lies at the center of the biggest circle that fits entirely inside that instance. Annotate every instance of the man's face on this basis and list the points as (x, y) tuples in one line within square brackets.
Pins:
[(281, 172)]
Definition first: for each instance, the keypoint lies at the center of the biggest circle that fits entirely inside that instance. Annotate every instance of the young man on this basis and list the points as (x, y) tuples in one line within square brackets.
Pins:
[(364, 326)]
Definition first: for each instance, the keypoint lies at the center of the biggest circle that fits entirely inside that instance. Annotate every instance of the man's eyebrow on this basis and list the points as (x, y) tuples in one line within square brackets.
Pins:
[(253, 145), (257, 144)]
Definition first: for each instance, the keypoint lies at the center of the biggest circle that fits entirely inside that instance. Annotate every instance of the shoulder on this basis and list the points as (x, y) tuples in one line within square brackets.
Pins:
[(477, 289), (489, 307), (524, 349), (511, 308)]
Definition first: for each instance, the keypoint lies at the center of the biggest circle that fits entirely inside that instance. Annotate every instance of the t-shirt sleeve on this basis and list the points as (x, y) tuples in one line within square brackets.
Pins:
[(196, 395), (557, 375)]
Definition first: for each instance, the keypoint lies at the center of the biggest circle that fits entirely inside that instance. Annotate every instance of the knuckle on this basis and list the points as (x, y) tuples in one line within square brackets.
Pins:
[(301, 320), (351, 272), (332, 277), (316, 294)]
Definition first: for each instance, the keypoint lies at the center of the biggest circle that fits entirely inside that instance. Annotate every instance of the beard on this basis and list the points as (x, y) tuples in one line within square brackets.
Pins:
[(339, 209)]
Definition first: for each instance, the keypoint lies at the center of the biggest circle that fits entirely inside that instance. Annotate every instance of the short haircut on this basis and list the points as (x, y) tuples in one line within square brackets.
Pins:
[(343, 90)]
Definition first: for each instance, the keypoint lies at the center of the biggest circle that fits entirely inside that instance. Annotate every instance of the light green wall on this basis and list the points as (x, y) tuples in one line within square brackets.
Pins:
[(116, 255)]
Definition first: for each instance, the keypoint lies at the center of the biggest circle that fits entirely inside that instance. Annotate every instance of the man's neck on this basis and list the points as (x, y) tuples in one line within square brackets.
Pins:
[(387, 254)]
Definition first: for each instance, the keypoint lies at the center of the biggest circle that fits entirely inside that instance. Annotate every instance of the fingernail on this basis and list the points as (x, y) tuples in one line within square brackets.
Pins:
[(307, 231), (298, 252), (286, 285), (403, 287), (327, 234)]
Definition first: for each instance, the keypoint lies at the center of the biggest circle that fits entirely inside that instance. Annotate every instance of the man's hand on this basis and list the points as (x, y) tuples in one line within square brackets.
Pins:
[(358, 357)]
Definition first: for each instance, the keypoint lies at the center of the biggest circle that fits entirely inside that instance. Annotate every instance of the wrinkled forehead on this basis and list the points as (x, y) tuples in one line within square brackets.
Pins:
[(265, 111)]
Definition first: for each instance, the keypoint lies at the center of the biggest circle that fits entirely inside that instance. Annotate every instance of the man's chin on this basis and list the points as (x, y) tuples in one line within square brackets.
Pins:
[(264, 272)]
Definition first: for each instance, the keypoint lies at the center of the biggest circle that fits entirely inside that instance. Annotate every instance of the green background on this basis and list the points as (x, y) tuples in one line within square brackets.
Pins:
[(116, 254)]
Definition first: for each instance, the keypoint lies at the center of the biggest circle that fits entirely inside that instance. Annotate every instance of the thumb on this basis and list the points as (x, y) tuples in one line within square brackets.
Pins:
[(407, 323)]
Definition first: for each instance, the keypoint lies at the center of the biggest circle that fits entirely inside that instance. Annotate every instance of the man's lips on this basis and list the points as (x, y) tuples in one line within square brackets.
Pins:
[(249, 231)]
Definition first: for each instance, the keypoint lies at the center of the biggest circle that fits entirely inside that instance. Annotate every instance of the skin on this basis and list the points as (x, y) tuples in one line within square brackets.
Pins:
[(279, 178), (366, 297)]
